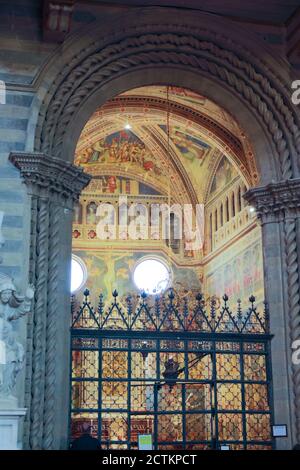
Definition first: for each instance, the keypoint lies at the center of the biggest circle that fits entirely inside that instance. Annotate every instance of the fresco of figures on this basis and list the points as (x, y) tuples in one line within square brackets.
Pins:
[(224, 175), (120, 147), (113, 270)]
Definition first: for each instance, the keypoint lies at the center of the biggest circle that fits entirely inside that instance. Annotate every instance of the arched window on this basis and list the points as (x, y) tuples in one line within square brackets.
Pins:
[(77, 213), (227, 210), (175, 231), (216, 220), (233, 204), (91, 213), (152, 275), (210, 230), (221, 215), (78, 274), (239, 199)]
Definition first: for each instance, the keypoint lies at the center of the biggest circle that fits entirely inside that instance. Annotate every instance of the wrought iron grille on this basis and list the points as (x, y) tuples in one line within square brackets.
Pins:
[(193, 376)]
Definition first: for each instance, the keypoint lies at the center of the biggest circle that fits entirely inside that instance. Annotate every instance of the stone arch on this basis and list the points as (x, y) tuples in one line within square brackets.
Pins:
[(90, 69), (206, 60)]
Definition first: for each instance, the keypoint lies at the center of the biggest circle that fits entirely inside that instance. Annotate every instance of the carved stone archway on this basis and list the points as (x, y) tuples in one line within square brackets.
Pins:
[(177, 46), (94, 67)]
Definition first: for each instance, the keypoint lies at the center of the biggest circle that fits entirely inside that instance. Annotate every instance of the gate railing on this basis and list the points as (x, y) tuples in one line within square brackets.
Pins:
[(170, 312)]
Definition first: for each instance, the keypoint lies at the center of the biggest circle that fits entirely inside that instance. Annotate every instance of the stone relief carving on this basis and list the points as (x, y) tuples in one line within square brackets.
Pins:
[(12, 307)]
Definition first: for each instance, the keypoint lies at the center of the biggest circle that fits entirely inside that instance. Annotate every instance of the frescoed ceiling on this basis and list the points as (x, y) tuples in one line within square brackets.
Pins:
[(171, 139)]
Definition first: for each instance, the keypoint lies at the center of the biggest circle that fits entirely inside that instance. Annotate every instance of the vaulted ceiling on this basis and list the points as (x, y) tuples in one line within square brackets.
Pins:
[(169, 138)]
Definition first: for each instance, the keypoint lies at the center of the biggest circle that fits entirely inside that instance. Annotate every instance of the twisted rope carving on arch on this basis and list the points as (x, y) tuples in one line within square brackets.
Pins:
[(162, 49), (51, 346), (38, 366), (294, 307)]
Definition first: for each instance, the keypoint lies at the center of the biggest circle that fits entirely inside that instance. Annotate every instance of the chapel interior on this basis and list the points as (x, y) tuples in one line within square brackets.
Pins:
[(150, 224), (166, 145), (160, 145)]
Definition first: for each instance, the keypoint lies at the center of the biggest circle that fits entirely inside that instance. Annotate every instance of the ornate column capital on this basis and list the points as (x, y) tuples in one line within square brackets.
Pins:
[(276, 201), (47, 176)]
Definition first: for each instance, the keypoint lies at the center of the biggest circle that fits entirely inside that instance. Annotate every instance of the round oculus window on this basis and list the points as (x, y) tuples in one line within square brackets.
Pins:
[(152, 276), (78, 274)]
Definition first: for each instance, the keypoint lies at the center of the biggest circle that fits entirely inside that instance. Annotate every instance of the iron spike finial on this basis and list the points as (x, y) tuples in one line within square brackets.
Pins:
[(213, 308), (171, 294), (100, 305), (239, 310), (129, 304)]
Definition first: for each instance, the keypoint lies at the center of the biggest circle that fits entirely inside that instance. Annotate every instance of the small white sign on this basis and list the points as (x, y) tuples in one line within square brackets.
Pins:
[(224, 447), (279, 430)]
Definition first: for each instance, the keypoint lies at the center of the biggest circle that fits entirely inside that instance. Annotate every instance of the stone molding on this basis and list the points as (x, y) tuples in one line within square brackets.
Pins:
[(46, 175), (276, 201), (137, 47)]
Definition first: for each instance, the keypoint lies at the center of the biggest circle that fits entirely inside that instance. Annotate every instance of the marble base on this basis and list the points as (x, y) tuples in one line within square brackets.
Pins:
[(9, 426)]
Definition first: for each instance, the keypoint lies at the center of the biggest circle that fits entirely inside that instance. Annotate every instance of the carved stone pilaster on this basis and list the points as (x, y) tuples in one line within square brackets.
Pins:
[(275, 201), (54, 186), (279, 203)]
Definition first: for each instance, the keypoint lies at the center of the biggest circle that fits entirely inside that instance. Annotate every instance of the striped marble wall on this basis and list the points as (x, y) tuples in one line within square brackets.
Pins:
[(22, 54), (14, 206), (22, 51), (13, 124)]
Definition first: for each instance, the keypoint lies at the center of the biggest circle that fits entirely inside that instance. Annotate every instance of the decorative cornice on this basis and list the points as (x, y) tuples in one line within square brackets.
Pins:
[(276, 200), (45, 176)]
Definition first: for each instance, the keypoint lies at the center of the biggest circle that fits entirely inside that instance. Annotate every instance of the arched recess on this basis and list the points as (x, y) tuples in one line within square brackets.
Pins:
[(99, 63), (237, 147), (203, 60)]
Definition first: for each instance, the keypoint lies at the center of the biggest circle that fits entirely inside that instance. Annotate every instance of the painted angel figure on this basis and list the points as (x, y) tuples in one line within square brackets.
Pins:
[(12, 307)]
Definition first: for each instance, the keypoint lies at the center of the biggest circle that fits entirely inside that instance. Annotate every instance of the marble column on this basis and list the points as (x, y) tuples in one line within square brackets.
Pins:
[(278, 209), (54, 186)]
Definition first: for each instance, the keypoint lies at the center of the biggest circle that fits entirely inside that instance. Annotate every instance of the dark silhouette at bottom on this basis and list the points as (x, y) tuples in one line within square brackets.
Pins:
[(85, 441)]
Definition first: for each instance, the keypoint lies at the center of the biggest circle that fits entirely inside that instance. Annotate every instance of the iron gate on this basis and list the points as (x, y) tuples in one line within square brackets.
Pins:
[(193, 378)]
